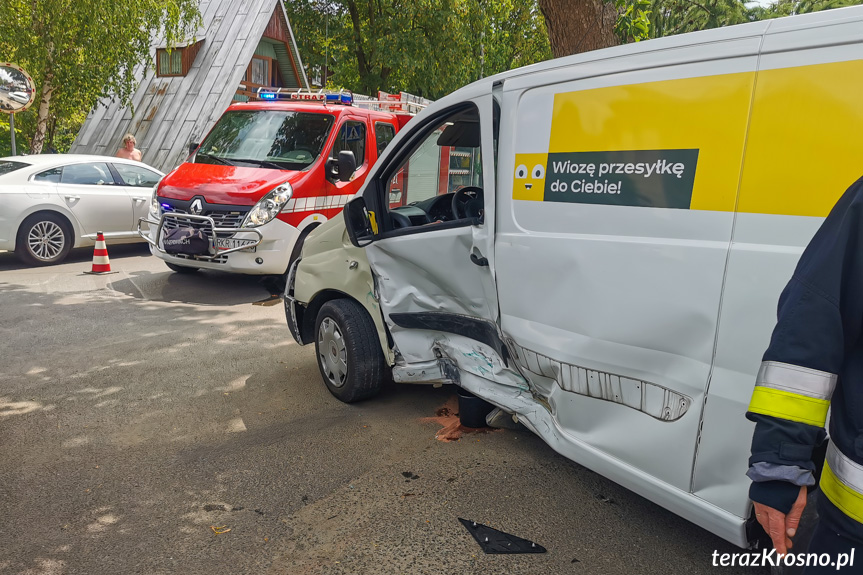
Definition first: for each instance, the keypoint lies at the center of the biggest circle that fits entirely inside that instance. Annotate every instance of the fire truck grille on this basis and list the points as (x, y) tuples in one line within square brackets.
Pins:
[(232, 219)]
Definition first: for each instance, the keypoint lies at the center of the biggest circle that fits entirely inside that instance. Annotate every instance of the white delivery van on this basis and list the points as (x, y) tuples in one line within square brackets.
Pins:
[(597, 244)]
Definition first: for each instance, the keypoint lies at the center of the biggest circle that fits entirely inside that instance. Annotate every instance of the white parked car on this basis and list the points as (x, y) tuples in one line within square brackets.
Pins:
[(50, 203)]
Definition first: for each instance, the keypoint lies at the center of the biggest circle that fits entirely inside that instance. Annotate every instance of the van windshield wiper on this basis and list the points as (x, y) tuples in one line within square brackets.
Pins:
[(262, 163), (222, 161)]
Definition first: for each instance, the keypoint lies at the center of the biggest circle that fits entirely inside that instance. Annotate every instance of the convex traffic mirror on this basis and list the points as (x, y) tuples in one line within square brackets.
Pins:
[(16, 89)]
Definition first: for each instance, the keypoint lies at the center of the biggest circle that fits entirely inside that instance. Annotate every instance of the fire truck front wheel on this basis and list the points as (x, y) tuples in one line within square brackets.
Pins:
[(349, 356)]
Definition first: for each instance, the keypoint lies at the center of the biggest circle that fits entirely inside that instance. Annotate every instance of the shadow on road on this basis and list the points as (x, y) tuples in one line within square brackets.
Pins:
[(9, 262), (200, 288)]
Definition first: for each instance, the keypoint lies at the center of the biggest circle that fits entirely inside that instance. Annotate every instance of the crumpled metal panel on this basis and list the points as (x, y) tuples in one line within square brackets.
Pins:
[(330, 261), (649, 398), (535, 416)]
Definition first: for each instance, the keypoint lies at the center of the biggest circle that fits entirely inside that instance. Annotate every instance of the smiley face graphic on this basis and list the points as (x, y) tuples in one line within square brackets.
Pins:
[(529, 181)]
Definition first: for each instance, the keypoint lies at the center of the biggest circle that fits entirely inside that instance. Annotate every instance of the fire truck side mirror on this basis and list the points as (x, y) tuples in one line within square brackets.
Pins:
[(342, 168)]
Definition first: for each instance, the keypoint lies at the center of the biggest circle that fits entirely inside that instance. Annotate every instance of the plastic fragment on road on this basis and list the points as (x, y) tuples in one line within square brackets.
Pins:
[(497, 542), (220, 530)]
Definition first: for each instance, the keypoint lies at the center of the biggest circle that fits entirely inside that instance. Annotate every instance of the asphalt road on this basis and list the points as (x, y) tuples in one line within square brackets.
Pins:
[(158, 423)]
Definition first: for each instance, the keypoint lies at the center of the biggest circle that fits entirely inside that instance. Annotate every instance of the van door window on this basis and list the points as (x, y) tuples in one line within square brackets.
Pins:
[(384, 133), (441, 179), (351, 137)]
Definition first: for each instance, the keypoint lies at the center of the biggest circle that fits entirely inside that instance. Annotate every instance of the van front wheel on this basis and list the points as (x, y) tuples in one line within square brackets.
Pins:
[(349, 357)]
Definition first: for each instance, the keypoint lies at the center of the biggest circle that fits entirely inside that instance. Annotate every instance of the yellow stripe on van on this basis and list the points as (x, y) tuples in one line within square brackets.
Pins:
[(805, 139), (707, 113), (804, 144)]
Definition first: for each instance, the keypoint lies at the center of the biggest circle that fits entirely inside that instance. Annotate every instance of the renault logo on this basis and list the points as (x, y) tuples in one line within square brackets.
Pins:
[(196, 207)]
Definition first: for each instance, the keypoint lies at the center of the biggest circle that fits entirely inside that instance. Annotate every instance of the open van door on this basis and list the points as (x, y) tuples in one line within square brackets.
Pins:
[(428, 213)]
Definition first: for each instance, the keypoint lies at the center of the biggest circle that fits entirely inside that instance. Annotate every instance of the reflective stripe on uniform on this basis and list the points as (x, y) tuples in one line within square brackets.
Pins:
[(793, 392), (790, 406), (797, 379), (842, 483)]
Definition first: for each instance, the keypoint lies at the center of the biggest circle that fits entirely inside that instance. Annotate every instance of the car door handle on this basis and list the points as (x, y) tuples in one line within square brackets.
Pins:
[(140, 199), (479, 260), (73, 197)]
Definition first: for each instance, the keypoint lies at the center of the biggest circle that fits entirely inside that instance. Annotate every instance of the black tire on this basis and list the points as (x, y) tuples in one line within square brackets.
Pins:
[(348, 351), (180, 269), (44, 239)]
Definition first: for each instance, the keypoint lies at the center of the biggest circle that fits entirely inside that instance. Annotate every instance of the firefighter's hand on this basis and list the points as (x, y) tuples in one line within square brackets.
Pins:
[(779, 526)]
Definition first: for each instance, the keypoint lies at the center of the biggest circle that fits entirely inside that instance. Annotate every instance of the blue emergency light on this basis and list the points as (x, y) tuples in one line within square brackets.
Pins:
[(341, 98), (345, 98)]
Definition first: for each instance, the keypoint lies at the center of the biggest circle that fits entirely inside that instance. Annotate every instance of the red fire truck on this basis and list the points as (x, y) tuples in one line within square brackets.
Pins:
[(268, 173)]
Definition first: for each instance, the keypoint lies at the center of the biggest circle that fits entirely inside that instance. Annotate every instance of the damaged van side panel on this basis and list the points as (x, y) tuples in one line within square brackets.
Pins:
[(331, 260), (610, 265)]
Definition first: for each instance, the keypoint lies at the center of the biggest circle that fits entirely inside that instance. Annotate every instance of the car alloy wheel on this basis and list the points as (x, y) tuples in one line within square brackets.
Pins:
[(44, 238), (46, 241)]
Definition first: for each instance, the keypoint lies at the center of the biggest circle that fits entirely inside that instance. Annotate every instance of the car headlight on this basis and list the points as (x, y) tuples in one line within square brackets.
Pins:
[(269, 206), (155, 208)]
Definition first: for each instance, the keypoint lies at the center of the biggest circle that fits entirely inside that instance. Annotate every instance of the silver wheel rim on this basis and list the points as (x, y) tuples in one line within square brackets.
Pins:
[(46, 240), (332, 352)]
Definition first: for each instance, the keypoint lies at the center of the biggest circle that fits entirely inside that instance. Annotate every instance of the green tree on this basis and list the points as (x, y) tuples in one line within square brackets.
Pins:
[(790, 7), (669, 17), (585, 25), (78, 52), (425, 47)]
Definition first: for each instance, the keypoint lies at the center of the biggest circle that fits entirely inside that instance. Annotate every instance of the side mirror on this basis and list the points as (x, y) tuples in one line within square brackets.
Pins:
[(359, 223), (342, 168), (193, 146)]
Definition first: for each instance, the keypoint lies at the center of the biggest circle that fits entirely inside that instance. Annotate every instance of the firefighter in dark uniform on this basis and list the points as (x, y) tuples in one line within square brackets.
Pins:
[(814, 364)]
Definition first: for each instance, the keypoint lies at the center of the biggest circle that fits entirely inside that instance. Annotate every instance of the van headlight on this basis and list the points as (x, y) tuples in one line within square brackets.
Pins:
[(269, 206), (155, 207)]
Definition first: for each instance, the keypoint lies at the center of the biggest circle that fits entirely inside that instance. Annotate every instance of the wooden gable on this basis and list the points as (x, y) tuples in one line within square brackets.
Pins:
[(169, 112)]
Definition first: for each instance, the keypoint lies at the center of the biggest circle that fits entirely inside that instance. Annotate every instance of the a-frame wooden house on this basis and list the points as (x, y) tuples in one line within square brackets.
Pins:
[(241, 45)]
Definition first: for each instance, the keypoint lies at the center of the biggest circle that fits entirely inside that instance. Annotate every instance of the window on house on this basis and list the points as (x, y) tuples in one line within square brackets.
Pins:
[(170, 64), (259, 71), (178, 61)]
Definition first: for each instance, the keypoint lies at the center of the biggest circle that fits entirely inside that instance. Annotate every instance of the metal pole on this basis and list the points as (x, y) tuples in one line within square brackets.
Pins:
[(12, 131), (326, 50)]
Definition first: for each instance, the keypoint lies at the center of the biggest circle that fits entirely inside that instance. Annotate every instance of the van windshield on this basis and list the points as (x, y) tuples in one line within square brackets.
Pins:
[(272, 139)]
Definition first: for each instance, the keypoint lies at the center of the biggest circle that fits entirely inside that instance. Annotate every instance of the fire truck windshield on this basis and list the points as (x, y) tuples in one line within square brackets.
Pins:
[(271, 139)]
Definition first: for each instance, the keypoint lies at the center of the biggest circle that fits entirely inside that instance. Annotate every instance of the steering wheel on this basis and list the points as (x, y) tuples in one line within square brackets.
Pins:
[(467, 203)]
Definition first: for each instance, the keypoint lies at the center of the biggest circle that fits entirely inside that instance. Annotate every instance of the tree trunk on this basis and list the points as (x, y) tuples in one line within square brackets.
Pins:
[(44, 110), (576, 26), (362, 63)]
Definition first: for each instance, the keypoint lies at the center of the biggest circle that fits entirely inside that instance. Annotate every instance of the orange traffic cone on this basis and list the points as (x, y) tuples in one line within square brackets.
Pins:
[(101, 265)]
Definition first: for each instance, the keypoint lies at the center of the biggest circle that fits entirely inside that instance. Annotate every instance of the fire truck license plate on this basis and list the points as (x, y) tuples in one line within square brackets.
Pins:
[(230, 243)]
